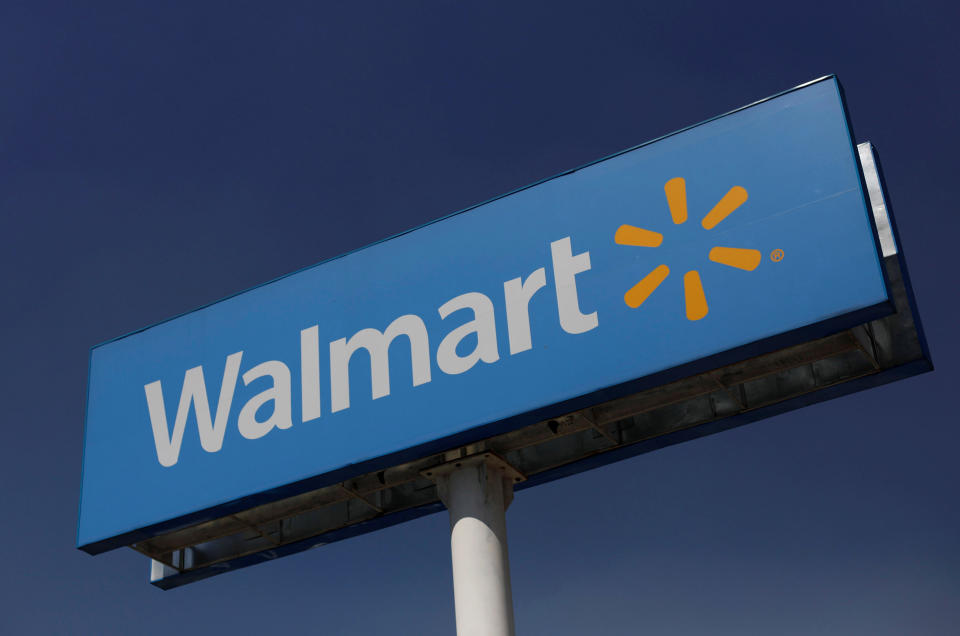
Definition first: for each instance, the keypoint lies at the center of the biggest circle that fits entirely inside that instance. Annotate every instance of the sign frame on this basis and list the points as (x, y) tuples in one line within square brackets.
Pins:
[(464, 439)]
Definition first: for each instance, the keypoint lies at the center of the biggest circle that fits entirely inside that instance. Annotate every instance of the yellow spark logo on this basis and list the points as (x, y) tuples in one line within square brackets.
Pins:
[(696, 299)]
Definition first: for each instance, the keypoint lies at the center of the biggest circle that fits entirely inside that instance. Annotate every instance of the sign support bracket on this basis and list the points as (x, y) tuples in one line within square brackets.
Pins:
[(477, 491)]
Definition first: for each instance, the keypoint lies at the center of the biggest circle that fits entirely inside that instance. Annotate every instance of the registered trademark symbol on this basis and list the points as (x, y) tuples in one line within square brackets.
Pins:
[(776, 255)]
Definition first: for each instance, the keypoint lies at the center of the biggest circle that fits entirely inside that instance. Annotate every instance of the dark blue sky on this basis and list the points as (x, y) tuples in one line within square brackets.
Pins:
[(157, 156)]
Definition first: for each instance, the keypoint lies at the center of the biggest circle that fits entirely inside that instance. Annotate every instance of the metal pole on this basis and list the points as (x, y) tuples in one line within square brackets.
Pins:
[(477, 491)]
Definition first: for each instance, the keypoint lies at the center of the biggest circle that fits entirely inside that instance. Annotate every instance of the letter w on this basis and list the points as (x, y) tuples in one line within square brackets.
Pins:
[(195, 391)]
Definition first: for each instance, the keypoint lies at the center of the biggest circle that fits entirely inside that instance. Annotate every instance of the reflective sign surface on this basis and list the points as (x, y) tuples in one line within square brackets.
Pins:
[(736, 236)]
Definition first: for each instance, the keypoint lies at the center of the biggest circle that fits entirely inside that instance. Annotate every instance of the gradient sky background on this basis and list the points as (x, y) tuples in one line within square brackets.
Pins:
[(156, 156)]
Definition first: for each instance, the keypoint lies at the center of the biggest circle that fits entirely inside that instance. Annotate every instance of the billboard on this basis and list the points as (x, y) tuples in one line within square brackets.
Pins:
[(736, 237)]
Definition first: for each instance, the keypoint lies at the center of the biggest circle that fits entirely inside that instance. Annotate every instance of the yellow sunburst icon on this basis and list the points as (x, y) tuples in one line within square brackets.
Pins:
[(696, 299)]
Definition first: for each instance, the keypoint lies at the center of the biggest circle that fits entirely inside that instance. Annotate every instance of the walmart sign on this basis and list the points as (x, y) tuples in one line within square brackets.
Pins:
[(736, 236)]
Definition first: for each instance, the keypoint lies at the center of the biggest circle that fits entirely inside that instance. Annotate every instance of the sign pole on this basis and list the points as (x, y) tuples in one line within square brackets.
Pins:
[(477, 491)]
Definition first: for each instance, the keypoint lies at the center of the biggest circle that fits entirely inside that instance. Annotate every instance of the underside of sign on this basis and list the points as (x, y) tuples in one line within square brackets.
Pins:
[(681, 408)]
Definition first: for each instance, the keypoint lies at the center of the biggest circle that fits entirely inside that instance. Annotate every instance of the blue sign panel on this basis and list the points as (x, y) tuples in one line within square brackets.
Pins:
[(738, 235)]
